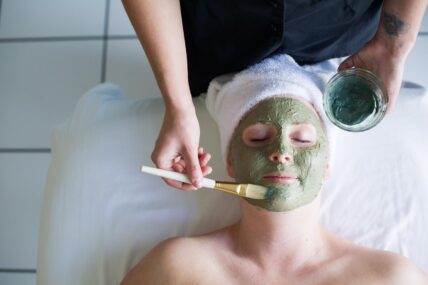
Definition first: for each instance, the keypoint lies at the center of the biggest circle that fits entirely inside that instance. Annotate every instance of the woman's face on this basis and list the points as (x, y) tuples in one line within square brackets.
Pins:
[(280, 144)]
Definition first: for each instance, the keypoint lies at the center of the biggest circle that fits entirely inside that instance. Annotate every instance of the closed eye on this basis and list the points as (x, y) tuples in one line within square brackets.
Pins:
[(302, 135), (301, 141), (257, 135), (258, 140)]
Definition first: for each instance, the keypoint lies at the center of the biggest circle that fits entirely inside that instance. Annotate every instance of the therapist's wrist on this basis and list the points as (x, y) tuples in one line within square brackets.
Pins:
[(179, 102), (393, 50)]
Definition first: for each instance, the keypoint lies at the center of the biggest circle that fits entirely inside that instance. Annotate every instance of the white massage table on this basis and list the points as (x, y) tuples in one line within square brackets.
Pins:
[(101, 215)]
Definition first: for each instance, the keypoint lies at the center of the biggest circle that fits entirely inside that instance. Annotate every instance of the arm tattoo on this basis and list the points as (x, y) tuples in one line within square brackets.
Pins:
[(393, 25)]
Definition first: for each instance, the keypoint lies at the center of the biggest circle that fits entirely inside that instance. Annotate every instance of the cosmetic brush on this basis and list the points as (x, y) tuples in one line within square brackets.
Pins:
[(244, 190)]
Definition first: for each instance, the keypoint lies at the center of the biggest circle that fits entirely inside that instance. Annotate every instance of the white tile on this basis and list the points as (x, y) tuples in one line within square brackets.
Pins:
[(18, 278), (119, 23), (417, 62), (39, 87), (46, 18), (127, 65), (22, 179)]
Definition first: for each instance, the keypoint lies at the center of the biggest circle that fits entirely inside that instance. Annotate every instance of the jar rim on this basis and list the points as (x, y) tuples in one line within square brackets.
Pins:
[(376, 85)]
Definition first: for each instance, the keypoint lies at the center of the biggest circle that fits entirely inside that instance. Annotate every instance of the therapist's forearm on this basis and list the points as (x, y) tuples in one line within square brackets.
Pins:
[(399, 25), (159, 27)]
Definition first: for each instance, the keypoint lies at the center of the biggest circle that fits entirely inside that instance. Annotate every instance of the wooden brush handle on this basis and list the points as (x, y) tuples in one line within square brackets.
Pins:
[(206, 182)]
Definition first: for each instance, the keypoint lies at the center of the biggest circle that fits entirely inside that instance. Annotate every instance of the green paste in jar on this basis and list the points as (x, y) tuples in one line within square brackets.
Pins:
[(352, 101)]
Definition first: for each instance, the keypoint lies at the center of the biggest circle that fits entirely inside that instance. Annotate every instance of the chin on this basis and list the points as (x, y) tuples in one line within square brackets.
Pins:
[(281, 203), (273, 206)]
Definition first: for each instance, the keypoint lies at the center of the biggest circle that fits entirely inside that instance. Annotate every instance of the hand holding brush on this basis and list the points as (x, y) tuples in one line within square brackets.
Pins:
[(244, 190)]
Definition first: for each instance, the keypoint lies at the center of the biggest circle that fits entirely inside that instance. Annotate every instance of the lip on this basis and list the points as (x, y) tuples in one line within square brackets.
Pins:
[(279, 176)]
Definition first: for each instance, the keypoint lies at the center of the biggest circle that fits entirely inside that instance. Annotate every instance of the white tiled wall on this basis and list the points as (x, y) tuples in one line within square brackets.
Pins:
[(119, 23), (48, 18), (51, 52), (126, 65), (424, 26), (42, 74), (40, 83), (17, 278), (22, 178)]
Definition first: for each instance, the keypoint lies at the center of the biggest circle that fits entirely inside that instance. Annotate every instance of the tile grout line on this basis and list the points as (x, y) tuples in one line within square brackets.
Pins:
[(16, 270), (25, 150), (105, 42), (69, 38), (89, 38)]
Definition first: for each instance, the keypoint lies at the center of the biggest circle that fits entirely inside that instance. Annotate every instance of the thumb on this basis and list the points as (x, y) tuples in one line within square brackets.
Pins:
[(347, 63), (193, 168)]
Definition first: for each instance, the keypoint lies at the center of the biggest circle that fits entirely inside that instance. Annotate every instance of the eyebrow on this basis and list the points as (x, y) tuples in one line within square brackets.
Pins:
[(268, 122)]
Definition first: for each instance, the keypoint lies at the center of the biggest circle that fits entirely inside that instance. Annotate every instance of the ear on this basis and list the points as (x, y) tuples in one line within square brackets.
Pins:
[(230, 168)]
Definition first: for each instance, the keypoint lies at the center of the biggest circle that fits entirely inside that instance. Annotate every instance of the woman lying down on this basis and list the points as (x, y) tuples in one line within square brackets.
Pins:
[(273, 132)]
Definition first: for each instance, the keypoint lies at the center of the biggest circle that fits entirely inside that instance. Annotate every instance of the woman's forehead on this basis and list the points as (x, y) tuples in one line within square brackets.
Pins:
[(283, 110)]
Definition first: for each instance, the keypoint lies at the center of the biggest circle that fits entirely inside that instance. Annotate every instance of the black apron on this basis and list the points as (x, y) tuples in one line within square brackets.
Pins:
[(225, 36)]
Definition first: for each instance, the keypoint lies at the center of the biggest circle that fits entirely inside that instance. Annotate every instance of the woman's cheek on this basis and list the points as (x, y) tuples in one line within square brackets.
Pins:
[(248, 164)]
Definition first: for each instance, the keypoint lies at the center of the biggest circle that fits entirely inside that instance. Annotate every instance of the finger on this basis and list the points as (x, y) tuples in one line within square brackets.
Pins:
[(182, 163), (184, 186), (200, 150), (179, 185), (177, 159), (173, 183), (391, 103), (204, 159), (188, 187), (206, 170), (347, 63), (192, 167), (178, 168)]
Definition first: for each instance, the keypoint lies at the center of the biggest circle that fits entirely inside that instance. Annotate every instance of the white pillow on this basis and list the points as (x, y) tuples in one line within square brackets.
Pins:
[(101, 215)]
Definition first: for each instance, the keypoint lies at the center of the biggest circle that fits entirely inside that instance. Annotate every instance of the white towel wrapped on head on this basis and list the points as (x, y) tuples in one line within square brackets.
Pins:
[(230, 97)]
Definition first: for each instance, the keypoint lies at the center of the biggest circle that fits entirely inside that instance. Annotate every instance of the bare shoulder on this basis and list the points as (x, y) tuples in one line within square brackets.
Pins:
[(392, 268), (371, 266), (403, 271), (167, 263)]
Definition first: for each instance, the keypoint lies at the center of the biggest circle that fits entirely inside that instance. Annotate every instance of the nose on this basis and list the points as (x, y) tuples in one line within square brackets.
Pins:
[(278, 157)]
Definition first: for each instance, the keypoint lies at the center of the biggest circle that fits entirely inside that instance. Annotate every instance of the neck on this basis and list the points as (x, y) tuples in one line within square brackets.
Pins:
[(279, 238)]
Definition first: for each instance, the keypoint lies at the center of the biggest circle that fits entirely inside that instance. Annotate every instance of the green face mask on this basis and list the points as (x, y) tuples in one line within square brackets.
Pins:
[(308, 161)]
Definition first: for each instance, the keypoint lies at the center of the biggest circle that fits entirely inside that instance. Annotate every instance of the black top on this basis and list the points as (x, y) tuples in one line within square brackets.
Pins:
[(224, 36)]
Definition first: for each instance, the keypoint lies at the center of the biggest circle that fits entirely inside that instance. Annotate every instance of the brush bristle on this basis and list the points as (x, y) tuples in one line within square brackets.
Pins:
[(256, 192)]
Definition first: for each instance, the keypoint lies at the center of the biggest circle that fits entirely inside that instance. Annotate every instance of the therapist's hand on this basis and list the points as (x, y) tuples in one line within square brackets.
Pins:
[(378, 58), (386, 53), (177, 148)]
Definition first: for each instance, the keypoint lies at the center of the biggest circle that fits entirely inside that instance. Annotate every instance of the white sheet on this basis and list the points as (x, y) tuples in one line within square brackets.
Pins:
[(101, 215)]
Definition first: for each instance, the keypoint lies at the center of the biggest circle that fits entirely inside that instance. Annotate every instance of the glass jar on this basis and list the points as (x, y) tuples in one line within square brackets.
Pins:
[(355, 99)]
